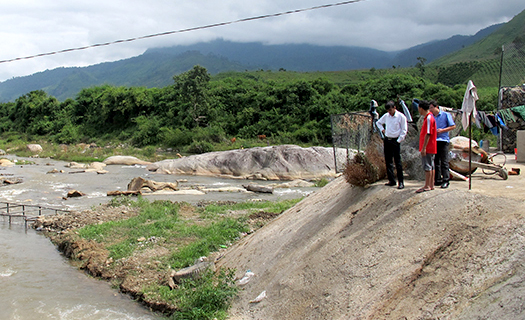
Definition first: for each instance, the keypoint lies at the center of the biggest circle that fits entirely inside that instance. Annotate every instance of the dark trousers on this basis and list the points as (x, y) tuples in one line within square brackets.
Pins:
[(441, 163), (392, 151)]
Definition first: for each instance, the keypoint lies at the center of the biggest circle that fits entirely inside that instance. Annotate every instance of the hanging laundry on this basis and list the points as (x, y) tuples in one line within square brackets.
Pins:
[(500, 120), (519, 110), (493, 122), (406, 111), (507, 116), (483, 119)]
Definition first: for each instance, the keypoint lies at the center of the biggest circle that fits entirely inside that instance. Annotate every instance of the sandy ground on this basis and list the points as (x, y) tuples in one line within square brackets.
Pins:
[(382, 253)]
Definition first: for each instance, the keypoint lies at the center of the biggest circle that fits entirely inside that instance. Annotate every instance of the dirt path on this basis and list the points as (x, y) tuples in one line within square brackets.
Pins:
[(383, 253)]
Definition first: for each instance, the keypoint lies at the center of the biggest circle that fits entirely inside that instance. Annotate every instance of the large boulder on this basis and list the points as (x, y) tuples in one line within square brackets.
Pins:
[(125, 160), (6, 163), (93, 166), (139, 183), (34, 148), (285, 162)]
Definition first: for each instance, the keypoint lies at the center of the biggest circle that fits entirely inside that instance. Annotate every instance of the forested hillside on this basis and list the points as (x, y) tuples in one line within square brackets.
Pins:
[(156, 67), (196, 115), (488, 48)]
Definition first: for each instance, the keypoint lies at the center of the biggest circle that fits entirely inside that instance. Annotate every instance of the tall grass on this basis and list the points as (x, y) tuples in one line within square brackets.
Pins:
[(205, 297), (213, 210)]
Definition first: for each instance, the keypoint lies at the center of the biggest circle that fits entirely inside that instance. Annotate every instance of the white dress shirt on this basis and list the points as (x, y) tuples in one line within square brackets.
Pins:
[(396, 125)]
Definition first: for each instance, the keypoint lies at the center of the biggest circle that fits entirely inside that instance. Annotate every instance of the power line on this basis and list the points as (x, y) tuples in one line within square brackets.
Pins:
[(220, 24)]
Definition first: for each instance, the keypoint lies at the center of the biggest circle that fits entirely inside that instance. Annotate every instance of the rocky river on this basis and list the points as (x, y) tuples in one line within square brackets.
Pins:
[(37, 282)]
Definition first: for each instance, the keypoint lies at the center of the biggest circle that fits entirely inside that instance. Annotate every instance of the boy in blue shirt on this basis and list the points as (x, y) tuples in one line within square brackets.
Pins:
[(444, 124)]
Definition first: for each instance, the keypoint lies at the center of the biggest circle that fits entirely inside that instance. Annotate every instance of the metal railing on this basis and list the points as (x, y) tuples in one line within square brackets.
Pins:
[(351, 131), (26, 212)]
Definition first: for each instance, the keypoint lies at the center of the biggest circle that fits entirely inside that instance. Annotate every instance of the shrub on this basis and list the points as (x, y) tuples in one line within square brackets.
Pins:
[(200, 147), (175, 138), (374, 153), (360, 171), (368, 167), (68, 134)]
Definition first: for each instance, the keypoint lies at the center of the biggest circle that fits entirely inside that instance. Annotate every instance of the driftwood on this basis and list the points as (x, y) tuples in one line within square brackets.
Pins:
[(258, 188), (79, 171), (10, 180), (138, 183), (123, 193), (194, 271)]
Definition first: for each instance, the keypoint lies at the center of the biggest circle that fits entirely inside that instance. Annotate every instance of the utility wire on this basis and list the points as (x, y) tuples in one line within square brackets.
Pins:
[(182, 30)]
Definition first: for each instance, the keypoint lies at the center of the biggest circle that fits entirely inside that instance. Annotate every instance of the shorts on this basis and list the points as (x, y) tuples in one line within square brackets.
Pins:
[(428, 162)]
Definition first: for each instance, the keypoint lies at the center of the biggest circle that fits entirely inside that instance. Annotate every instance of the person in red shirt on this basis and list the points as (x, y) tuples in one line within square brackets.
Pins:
[(427, 145)]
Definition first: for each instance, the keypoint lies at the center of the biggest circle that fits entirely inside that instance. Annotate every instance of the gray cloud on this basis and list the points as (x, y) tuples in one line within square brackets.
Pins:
[(31, 27)]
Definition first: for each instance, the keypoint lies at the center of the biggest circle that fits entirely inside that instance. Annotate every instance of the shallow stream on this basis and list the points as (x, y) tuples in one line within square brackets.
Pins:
[(37, 282)]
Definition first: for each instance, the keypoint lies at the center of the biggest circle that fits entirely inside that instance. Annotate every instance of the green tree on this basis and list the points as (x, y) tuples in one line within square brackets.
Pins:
[(34, 113), (192, 87), (421, 65)]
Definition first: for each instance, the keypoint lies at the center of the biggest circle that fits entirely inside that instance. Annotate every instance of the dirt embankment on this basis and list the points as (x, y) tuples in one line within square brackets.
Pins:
[(382, 253), (373, 253)]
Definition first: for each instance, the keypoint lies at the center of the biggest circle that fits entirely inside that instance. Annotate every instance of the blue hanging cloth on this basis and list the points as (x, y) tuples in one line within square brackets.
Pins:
[(406, 111)]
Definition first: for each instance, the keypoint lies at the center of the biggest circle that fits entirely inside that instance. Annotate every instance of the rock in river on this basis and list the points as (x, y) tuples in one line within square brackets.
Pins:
[(125, 160), (284, 162)]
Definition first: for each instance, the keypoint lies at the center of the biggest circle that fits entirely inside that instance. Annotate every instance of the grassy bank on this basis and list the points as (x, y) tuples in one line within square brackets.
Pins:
[(138, 252)]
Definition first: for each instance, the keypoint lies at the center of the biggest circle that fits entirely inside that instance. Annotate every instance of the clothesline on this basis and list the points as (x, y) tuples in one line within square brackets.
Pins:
[(504, 118)]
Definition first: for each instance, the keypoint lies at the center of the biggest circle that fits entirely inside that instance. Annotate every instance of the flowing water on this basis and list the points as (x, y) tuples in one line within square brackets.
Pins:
[(37, 282)]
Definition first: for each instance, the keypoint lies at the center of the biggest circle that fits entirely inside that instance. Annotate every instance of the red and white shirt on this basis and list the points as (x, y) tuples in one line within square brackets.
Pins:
[(428, 127)]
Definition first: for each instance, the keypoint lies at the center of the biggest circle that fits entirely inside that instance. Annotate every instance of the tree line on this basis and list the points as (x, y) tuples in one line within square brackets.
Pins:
[(196, 113)]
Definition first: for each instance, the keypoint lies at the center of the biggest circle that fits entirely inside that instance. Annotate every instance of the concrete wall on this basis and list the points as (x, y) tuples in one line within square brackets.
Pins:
[(520, 144)]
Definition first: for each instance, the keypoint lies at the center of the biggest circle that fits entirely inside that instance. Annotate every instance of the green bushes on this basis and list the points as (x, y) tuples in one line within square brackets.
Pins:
[(198, 115)]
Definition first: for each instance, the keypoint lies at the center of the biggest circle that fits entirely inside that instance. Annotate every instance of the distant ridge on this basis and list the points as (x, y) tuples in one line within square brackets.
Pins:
[(436, 49), (489, 47), (157, 66)]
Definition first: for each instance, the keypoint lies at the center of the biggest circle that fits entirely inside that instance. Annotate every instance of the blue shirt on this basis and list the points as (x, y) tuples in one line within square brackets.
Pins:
[(443, 120)]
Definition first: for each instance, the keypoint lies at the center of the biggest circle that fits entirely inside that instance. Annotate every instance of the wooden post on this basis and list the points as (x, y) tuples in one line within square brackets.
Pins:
[(470, 151)]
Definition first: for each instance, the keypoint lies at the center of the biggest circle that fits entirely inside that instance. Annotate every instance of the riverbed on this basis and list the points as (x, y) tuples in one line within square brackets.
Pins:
[(39, 187), (39, 283)]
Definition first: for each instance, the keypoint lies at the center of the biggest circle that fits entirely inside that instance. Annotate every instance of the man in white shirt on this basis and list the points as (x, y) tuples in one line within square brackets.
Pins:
[(395, 132)]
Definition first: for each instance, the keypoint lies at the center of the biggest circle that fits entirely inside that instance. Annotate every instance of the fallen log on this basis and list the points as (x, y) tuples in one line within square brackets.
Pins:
[(194, 271), (258, 188), (123, 193)]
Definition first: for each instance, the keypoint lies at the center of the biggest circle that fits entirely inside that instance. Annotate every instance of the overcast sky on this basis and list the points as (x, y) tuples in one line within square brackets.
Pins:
[(30, 27)]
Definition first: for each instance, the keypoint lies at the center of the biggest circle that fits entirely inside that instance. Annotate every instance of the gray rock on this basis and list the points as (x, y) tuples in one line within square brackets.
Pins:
[(125, 160), (34, 148), (285, 162)]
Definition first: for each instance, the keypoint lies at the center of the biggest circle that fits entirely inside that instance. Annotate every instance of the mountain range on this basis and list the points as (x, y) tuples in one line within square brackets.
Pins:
[(157, 66)]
